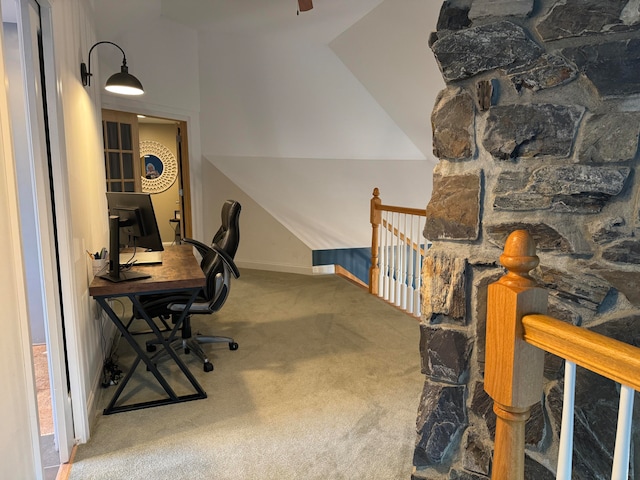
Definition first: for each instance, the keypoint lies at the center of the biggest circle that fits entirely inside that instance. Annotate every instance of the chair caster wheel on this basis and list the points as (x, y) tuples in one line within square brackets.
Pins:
[(151, 348), (233, 346), (208, 367), (187, 350)]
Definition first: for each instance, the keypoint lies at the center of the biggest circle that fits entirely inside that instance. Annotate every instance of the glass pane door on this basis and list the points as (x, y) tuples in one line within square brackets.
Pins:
[(121, 151)]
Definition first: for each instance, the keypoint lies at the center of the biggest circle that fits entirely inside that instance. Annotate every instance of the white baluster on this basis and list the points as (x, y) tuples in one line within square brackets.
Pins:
[(401, 259), (565, 454), (406, 248), (387, 264), (410, 265), (389, 292), (392, 270), (381, 257), (620, 469), (418, 268)]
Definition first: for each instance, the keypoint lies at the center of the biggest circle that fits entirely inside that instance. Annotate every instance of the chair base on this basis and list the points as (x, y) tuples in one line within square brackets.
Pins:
[(192, 345)]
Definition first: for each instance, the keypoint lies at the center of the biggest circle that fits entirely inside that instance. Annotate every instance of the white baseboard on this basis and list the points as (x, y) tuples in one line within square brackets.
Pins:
[(279, 267), (92, 404), (324, 269)]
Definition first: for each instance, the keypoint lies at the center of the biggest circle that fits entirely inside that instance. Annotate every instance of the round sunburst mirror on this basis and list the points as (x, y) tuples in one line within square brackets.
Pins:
[(159, 167)]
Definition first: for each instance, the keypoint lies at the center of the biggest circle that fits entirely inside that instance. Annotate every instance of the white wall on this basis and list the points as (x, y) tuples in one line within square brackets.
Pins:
[(388, 52), (264, 242), (163, 55), (307, 125), (82, 165), (305, 114), (325, 201), (17, 399)]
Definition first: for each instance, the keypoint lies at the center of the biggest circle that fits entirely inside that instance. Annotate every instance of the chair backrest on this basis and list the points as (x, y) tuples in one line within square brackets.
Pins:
[(228, 235)]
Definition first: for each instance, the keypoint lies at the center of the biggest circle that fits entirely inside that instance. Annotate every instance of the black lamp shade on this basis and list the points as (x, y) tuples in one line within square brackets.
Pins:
[(124, 83)]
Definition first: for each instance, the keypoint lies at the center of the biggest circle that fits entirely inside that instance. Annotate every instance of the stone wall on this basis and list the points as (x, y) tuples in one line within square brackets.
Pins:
[(538, 129)]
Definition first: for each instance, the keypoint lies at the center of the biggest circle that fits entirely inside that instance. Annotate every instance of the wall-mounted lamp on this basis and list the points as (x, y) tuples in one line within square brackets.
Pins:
[(122, 82)]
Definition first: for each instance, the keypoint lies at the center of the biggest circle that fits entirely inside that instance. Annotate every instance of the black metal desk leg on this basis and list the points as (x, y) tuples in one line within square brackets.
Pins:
[(166, 342), (142, 355)]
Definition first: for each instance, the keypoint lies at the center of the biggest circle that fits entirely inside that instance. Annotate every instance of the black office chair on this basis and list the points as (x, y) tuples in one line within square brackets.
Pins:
[(227, 238), (219, 268), (218, 265)]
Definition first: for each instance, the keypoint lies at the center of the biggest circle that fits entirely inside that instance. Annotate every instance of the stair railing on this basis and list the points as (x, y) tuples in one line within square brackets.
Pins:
[(518, 333), (396, 254)]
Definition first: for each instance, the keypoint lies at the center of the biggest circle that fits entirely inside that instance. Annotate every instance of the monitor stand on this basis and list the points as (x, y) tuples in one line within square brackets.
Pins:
[(115, 274), (125, 276)]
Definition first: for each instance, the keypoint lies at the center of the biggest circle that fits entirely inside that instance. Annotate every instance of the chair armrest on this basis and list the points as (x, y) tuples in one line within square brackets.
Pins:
[(204, 249), (226, 258), (201, 247)]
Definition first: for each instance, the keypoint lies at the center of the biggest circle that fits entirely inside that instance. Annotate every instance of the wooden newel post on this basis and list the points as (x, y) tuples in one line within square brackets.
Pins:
[(375, 217), (514, 369)]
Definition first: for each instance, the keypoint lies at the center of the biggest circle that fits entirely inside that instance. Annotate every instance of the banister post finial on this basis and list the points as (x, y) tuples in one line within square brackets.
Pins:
[(375, 216), (519, 258), (513, 368)]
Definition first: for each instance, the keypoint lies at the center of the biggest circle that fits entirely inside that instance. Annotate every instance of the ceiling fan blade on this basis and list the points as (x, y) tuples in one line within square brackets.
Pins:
[(305, 5)]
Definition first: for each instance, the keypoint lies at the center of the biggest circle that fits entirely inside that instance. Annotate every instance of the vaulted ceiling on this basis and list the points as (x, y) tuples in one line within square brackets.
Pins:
[(308, 112)]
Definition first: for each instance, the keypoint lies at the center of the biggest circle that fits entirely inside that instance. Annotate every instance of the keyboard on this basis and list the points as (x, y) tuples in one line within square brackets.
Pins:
[(141, 258)]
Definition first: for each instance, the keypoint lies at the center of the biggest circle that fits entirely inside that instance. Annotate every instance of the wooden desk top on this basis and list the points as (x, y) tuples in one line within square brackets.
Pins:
[(179, 269)]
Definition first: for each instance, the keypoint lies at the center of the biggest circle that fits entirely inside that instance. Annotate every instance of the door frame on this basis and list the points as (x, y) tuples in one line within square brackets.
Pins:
[(55, 330), (57, 297), (186, 228), (70, 417), (182, 149)]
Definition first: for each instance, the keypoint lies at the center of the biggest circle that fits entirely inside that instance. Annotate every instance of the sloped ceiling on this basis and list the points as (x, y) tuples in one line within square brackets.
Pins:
[(308, 113)]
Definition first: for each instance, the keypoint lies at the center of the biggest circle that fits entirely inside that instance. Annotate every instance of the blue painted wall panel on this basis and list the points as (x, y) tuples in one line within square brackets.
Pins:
[(355, 260)]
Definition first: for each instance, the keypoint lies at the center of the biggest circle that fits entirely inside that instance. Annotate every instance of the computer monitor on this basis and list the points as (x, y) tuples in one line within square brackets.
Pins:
[(132, 222)]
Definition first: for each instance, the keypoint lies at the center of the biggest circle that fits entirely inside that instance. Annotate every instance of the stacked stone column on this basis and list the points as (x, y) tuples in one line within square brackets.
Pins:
[(537, 129)]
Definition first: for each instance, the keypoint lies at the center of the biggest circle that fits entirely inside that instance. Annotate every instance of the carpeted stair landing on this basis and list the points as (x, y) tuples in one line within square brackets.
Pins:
[(325, 385)]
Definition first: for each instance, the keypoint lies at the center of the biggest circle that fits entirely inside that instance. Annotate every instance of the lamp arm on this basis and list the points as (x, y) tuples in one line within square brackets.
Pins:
[(88, 73)]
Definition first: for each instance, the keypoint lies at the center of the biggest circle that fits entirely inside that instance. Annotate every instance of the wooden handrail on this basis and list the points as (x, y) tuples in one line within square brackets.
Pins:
[(402, 237), (605, 356), (406, 210)]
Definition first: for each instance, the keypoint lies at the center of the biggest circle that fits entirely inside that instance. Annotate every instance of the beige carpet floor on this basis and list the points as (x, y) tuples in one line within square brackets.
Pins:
[(325, 385)]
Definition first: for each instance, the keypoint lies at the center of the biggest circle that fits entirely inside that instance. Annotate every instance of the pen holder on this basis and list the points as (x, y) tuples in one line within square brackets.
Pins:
[(99, 266)]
